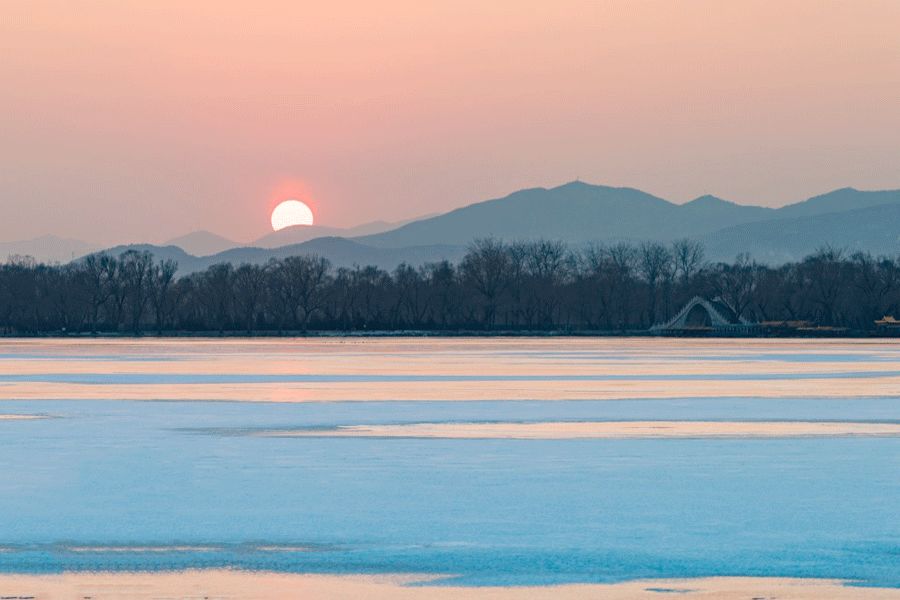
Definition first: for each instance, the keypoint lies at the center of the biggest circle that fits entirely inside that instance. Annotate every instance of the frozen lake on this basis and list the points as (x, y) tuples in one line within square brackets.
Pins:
[(150, 457)]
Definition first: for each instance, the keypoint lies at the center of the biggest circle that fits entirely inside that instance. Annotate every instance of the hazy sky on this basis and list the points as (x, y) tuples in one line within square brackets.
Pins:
[(141, 121)]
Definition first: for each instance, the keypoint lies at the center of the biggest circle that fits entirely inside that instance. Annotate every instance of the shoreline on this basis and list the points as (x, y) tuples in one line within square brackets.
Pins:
[(254, 585), (816, 334), (573, 430)]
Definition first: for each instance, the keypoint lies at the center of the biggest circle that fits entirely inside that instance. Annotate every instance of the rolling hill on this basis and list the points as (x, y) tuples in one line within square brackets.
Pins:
[(575, 212), (340, 251), (303, 233), (202, 243), (578, 213), (874, 229), (837, 201)]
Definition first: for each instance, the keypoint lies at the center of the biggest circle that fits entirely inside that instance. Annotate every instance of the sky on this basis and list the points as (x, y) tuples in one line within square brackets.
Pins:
[(131, 121)]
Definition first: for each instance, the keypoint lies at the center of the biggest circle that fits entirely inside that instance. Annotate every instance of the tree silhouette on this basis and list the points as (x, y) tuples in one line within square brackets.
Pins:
[(541, 285)]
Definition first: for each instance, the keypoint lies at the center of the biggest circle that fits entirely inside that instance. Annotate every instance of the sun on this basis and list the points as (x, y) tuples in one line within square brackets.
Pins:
[(290, 213)]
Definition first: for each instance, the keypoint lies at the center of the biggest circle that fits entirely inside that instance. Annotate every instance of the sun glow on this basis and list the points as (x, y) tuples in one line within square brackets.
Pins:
[(290, 213)]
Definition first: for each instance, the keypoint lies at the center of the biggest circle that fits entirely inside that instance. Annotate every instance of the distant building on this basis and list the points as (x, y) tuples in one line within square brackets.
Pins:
[(701, 315), (888, 322)]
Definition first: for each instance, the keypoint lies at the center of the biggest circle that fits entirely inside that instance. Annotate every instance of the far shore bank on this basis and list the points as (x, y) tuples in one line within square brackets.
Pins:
[(814, 333), (243, 585)]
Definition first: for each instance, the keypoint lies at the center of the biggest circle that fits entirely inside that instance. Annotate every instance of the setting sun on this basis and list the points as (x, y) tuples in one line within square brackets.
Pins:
[(290, 213)]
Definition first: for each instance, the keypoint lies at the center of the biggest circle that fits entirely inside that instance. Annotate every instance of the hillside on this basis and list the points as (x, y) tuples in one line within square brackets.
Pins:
[(579, 213), (341, 252), (304, 233), (874, 229), (575, 212), (202, 243), (838, 201)]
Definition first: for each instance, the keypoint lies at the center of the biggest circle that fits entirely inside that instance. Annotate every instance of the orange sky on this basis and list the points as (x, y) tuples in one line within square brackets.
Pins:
[(144, 120)]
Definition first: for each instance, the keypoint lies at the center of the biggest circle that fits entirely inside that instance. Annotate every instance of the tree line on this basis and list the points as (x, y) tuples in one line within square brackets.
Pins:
[(498, 286)]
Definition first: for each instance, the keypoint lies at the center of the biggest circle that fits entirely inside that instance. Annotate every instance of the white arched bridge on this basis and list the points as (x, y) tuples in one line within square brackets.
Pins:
[(701, 314)]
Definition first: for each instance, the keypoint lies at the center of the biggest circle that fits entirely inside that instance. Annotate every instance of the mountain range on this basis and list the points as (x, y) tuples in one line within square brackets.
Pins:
[(297, 235), (342, 252), (576, 213), (205, 243)]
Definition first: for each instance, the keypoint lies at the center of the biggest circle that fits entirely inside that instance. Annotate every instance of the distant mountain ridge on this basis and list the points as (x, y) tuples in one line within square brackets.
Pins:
[(205, 243), (202, 243), (341, 252), (719, 211), (579, 213), (874, 229), (838, 201), (304, 233)]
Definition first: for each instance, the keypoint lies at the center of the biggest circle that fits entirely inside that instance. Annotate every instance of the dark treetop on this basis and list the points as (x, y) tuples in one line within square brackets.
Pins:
[(496, 286)]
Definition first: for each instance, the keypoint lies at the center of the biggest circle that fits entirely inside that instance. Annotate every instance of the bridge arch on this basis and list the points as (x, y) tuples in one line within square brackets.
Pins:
[(700, 313), (698, 316)]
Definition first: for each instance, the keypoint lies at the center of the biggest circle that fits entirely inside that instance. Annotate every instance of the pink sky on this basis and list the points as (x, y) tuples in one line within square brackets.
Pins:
[(140, 121)]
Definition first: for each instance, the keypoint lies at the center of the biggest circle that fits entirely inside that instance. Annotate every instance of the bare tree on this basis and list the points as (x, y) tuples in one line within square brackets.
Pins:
[(875, 280), (412, 296), (136, 272), (623, 259), (215, 293), (654, 264), (444, 288), (161, 280), (301, 286), (486, 267), (98, 270), (824, 272), (736, 283), (688, 256), (249, 289), (548, 264)]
